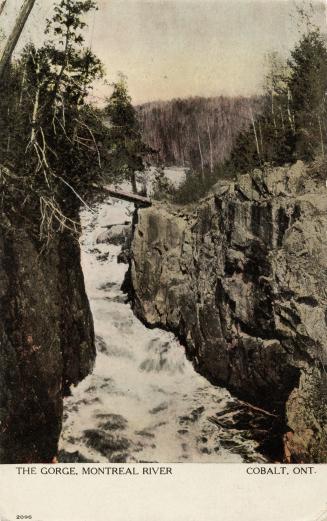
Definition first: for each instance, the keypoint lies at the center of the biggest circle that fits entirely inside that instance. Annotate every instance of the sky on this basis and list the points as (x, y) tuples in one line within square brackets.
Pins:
[(180, 48)]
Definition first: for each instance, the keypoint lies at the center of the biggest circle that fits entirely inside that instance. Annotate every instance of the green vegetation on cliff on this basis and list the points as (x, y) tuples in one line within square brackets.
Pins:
[(292, 125), (54, 144)]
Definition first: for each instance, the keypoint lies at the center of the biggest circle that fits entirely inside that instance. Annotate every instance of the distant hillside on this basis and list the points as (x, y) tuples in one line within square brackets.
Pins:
[(196, 132)]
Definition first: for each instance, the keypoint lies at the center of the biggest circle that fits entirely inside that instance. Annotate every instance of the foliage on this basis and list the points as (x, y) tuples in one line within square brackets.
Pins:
[(163, 188), (52, 140), (197, 186), (128, 149), (193, 188), (308, 87), (292, 124)]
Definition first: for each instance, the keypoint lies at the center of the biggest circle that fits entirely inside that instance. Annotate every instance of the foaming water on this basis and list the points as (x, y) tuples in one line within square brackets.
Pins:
[(143, 402)]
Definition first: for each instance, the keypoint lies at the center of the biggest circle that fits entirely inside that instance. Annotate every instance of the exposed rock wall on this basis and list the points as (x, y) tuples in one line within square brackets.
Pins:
[(242, 280), (46, 342)]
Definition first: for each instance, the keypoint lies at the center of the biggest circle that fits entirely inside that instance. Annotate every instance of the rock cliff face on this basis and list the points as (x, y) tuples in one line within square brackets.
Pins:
[(242, 279), (46, 342)]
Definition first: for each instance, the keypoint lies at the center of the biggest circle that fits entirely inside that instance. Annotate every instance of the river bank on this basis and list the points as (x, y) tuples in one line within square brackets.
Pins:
[(144, 402)]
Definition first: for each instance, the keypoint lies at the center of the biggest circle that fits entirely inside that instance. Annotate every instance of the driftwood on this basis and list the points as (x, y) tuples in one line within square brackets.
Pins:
[(127, 196), (259, 409)]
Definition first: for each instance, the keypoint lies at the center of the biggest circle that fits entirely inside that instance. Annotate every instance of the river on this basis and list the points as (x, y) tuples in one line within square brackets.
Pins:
[(143, 402)]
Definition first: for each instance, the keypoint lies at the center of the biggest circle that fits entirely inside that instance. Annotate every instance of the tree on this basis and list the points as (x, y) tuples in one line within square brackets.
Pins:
[(174, 129), (55, 141), (292, 123), (128, 149), (276, 88), (15, 34), (308, 87)]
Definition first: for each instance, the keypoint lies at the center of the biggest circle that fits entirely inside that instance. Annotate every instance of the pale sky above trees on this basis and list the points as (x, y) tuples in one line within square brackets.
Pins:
[(178, 48)]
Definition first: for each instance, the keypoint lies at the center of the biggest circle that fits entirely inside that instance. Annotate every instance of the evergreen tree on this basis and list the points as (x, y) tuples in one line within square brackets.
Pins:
[(292, 122), (308, 87), (51, 137), (128, 149)]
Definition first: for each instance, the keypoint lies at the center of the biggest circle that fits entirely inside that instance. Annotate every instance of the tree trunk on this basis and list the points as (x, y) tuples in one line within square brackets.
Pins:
[(15, 34), (22, 87), (282, 118), (34, 115), (133, 181), (201, 155), (261, 140), (291, 120), (210, 145), (255, 133), (2, 6), (273, 112), (321, 137)]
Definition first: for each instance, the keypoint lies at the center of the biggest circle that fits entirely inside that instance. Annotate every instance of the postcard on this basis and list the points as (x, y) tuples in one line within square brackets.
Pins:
[(163, 268)]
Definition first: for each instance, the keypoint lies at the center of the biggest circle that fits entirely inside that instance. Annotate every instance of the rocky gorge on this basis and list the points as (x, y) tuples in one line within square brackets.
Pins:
[(238, 279), (46, 341), (241, 280), (143, 401)]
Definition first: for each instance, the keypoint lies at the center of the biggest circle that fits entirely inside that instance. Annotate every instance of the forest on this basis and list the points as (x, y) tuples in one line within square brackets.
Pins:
[(57, 148), (195, 132), (223, 137)]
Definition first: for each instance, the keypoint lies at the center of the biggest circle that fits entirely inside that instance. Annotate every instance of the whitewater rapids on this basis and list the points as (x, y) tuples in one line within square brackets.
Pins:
[(143, 402)]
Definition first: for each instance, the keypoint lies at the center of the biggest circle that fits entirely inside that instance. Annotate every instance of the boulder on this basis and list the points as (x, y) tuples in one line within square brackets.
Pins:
[(117, 234)]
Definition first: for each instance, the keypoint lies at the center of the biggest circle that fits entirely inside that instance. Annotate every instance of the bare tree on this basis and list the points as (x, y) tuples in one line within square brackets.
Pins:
[(321, 137), (200, 151), (215, 122), (255, 132), (210, 144), (15, 34)]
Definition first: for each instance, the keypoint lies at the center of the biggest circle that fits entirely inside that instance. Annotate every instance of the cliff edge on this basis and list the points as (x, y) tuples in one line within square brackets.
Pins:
[(46, 341), (241, 279)]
